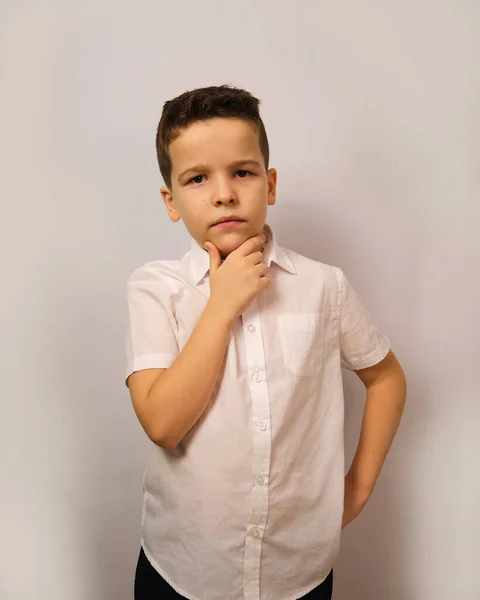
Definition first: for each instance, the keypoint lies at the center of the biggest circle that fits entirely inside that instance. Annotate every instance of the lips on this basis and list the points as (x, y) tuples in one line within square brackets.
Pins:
[(228, 219)]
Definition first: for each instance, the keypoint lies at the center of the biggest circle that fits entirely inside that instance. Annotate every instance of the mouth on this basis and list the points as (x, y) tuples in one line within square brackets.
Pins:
[(228, 222)]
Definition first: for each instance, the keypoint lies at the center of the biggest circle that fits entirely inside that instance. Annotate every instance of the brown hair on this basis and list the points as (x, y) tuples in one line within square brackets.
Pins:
[(202, 104)]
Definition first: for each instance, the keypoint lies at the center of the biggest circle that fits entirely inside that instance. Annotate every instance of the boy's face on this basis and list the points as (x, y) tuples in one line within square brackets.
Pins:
[(218, 170)]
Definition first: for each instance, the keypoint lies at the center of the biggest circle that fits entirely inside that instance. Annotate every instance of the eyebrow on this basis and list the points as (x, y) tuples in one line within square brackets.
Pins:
[(236, 164)]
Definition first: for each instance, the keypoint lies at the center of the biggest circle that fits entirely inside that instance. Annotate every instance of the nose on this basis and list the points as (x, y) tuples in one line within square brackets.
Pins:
[(224, 192)]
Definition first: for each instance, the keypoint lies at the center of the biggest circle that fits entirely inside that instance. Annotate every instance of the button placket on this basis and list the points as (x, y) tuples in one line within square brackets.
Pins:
[(256, 365)]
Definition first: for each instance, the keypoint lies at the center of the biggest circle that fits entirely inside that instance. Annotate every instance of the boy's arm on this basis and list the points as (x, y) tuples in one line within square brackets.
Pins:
[(386, 394), (168, 402)]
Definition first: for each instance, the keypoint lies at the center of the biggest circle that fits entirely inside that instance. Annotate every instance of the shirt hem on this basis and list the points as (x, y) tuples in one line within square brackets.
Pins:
[(162, 574), (300, 595), (297, 596)]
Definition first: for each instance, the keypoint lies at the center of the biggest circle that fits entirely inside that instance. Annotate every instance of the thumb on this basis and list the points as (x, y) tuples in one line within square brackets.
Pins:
[(215, 258)]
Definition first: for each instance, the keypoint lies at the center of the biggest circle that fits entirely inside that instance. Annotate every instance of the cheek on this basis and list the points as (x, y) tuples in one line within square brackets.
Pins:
[(190, 198), (261, 189)]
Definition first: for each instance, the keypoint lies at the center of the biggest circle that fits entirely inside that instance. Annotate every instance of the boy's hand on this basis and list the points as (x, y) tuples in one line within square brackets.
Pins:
[(235, 283), (354, 501)]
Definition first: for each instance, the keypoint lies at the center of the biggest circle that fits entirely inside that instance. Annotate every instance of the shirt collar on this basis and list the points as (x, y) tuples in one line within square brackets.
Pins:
[(200, 260)]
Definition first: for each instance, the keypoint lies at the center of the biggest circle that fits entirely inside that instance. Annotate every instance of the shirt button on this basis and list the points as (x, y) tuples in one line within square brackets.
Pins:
[(261, 426), (257, 377), (261, 480), (255, 533), (252, 328)]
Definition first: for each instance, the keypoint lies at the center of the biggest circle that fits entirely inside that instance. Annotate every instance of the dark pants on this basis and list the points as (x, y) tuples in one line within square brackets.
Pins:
[(149, 585)]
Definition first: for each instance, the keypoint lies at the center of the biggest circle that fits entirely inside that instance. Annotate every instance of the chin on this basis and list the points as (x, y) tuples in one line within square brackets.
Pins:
[(231, 244)]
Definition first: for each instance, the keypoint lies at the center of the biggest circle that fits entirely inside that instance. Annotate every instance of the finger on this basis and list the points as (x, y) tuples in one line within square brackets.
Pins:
[(214, 255), (265, 282), (255, 258), (260, 270), (251, 245)]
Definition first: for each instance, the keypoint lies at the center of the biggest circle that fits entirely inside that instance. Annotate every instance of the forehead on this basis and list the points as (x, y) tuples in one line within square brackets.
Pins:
[(214, 141)]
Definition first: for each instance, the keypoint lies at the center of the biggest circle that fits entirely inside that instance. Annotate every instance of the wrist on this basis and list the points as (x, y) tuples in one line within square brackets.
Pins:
[(219, 314)]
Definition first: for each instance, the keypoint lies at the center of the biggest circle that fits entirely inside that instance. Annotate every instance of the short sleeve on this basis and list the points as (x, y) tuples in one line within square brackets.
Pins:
[(362, 343), (150, 340)]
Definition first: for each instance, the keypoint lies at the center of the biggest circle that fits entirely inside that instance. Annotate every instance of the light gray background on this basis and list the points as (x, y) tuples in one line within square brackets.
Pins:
[(372, 114)]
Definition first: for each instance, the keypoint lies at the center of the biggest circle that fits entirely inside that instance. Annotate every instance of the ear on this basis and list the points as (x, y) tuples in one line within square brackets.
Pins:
[(170, 204), (272, 186)]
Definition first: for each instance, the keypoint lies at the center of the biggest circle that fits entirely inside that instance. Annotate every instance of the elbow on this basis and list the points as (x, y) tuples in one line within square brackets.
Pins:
[(160, 431), (164, 439), (167, 443)]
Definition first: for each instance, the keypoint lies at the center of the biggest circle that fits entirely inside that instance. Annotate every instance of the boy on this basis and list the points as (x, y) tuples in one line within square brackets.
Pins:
[(234, 368)]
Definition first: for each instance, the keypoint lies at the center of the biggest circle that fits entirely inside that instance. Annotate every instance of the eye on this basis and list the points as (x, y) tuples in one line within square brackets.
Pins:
[(196, 179), (242, 173)]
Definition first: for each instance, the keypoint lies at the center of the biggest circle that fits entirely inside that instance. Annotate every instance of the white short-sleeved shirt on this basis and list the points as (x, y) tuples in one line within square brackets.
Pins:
[(249, 505)]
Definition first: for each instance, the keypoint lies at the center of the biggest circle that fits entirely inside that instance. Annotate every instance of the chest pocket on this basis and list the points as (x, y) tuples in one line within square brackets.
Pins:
[(301, 336)]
